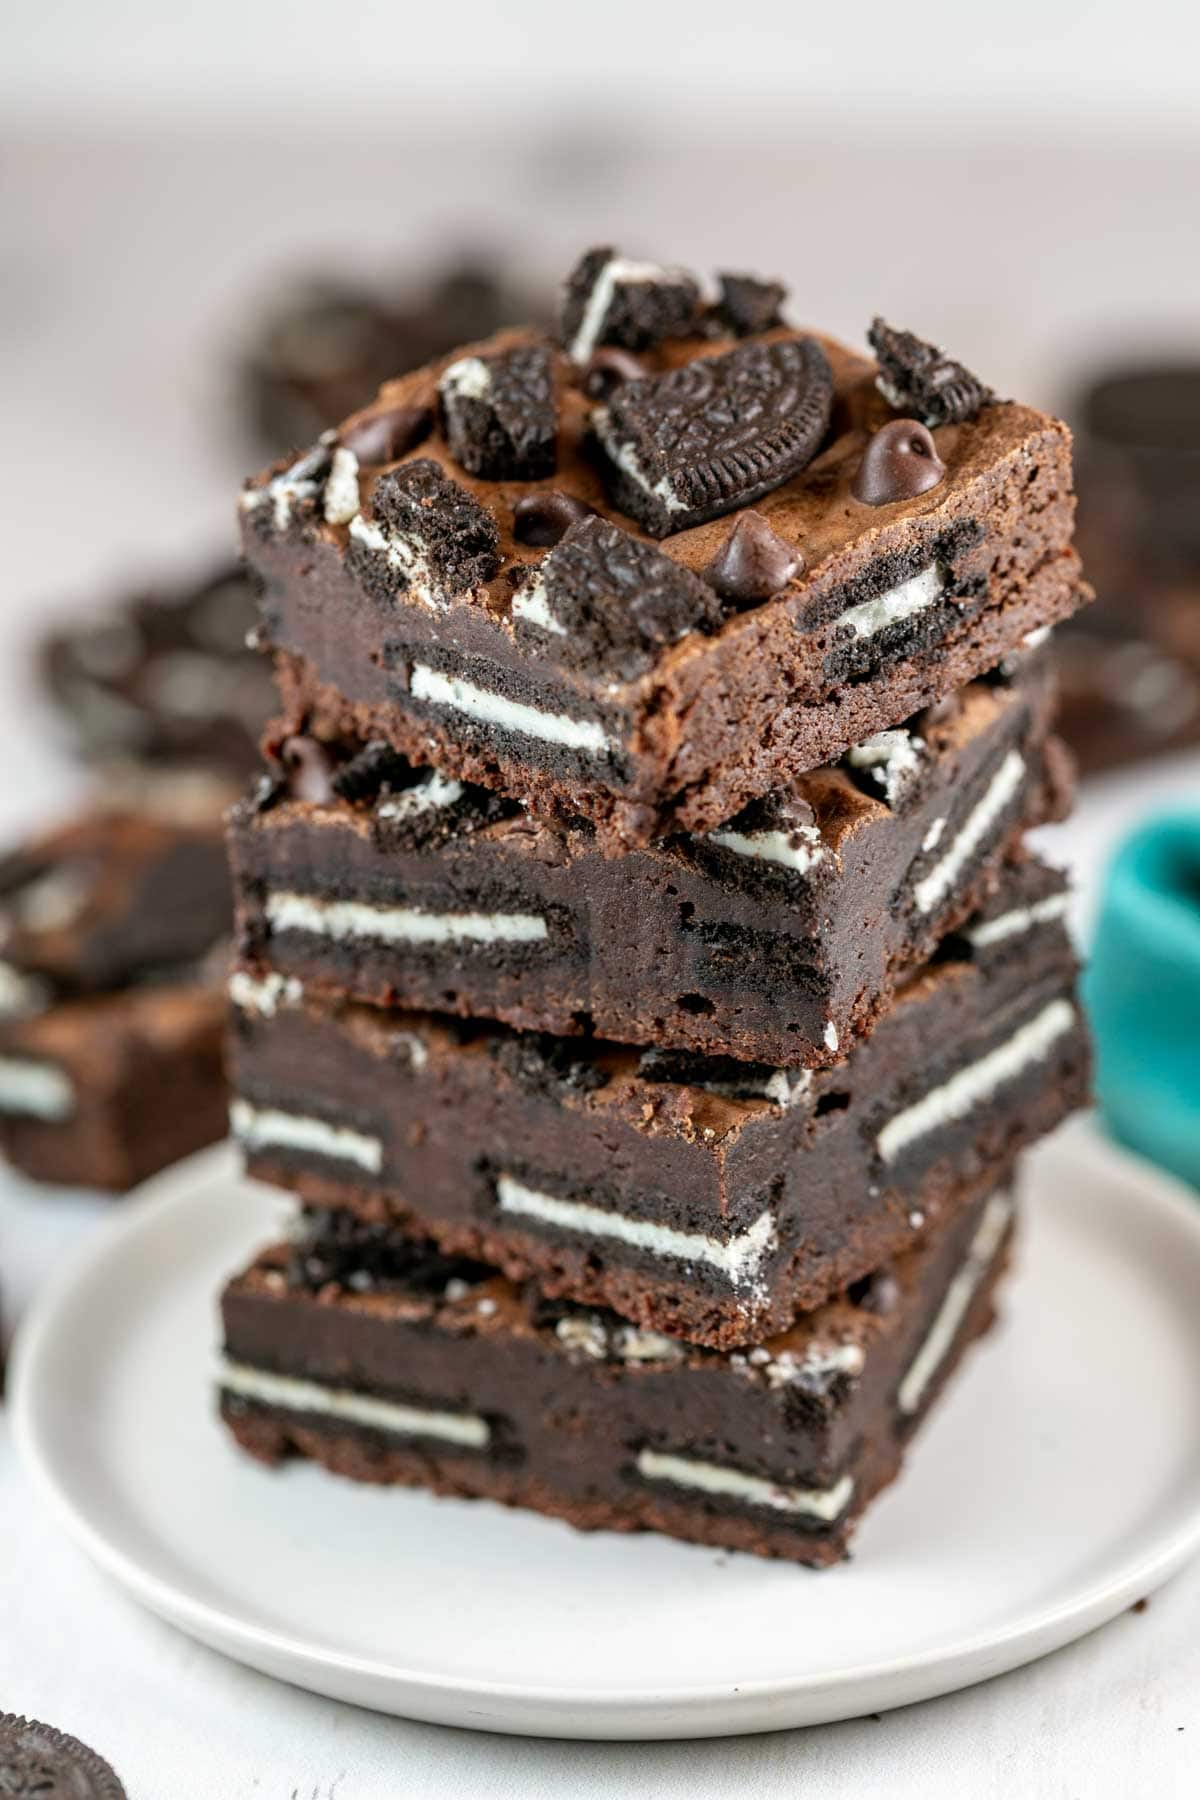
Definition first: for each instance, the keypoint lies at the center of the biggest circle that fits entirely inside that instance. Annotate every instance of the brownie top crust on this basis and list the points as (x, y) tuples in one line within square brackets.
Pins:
[(704, 425)]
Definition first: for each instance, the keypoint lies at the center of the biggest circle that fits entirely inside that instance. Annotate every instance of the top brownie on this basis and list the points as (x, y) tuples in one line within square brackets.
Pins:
[(646, 573)]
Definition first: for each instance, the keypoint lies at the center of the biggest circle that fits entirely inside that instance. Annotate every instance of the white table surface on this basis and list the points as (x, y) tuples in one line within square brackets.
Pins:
[(119, 276)]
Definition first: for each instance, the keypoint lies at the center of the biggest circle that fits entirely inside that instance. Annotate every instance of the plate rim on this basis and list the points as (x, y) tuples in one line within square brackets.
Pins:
[(730, 1708)]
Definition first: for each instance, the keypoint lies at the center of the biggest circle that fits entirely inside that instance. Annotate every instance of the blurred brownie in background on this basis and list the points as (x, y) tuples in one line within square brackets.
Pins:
[(165, 679), (324, 350), (112, 997), (1130, 665)]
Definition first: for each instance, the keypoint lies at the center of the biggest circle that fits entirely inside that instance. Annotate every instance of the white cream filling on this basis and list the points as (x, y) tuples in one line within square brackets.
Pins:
[(341, 488), (831, 1035), (296, 1395), (35, 1090), (264, 995), (342, 919), (404, 554), (933, 836), (955, 1303), (260, 1128), (1033, 640), (507, 715), (21, 995), (530, 603), (1022, 918), (932, 889), (620, 270), (901, 602), (737, 1258), (978, 1081), (467, 379), (826, 1504), (776, 846), (893, 759), (429, 796), (625, 458)]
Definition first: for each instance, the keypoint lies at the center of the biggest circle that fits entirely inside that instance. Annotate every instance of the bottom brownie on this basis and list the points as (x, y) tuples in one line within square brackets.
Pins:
[(103, 1092), (388, 1362)]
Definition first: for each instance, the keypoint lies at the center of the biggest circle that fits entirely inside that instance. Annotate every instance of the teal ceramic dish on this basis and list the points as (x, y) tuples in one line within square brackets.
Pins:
[(1143, 991)]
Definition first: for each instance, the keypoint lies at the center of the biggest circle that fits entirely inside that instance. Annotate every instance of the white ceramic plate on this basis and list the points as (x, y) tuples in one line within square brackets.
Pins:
[(1058, 1482)]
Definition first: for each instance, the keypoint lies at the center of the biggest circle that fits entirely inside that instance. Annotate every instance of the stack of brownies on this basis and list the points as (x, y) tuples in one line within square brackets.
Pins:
[(643, 986)]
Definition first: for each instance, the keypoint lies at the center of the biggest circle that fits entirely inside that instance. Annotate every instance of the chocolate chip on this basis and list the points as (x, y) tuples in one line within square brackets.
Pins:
[(309, 770), (748, 305), (37, 1760), (716, 434), (900, 462), (754, 562), (915, 377), (385, 436), (500, 413), (607, 369), (544, 519), (617, 600), (610, 300)]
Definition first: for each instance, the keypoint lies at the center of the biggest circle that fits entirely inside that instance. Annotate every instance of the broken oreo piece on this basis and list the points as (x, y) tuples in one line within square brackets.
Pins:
[(386, 435), (376, 766), (544, 519), (426, 535), (748, 305), (716, 434), (916, 377), (889, 765), (37, 1760), (754, 562), (613, 600), (899, 462), (538, 1062), (500, 413), (611, 300)]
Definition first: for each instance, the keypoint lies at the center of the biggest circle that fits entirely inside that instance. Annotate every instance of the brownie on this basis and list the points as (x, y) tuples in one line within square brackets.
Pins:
[(759, 565), (774, 939), (112, 946), (165, 677), (474, 1387), (109, 899), (103, 1091), (700, 1196)]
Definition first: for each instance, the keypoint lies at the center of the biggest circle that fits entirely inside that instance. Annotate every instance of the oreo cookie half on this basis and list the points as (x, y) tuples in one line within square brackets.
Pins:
[(609, 601), (716, 434), (38, 1760), (919, 379), (500, 414)]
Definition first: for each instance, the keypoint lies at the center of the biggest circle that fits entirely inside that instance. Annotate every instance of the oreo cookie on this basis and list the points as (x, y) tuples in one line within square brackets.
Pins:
[(500, 413), (919, 379), (716, 434), (540, 1063), (433, 808), (426, 536), (748, 305), (38, 1760), (610, 300), (375, 767), (611, 602)]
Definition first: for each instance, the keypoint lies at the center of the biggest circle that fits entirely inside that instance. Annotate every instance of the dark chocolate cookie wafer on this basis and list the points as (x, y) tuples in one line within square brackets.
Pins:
[(500, 414), (748, 305), (427, 536), (610, 601), (38, 1760), (610, 300), (716, 434), (918, 378)]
